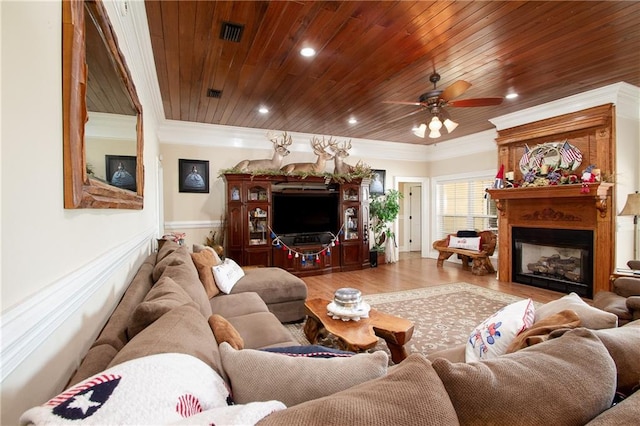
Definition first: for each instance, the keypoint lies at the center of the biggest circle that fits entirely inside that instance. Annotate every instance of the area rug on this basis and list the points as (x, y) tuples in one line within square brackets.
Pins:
[(443, 316)]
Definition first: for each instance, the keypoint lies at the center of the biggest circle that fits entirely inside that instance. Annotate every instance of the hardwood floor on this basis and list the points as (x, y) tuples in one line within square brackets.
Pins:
[(412, 272)]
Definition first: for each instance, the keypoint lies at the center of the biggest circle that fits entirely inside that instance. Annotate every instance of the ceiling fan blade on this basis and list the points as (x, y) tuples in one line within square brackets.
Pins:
[(476, 102), (402, 103), (454, 90)]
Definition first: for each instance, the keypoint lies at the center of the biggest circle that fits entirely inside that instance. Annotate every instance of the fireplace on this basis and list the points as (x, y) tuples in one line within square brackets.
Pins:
[(555, 259)]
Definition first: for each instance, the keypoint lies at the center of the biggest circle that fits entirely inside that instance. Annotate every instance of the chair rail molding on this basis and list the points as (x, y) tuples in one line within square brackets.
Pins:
[(25, 327), (193, 224)]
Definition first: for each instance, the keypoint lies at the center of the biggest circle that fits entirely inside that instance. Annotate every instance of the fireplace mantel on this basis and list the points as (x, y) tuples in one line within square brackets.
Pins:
[(599, 192), (592, 131)]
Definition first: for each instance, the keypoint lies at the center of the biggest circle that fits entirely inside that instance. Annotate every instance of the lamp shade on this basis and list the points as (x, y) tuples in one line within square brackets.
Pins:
[(450, 125), (420, 131), (632, 206)]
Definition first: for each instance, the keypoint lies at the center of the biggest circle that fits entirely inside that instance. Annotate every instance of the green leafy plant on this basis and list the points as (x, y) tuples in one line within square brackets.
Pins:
[(383, 210)]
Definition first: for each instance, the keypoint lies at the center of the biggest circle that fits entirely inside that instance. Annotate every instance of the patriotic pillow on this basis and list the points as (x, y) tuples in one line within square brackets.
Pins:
[(469, 243), (156, 389), (227, 275), (491, 337)]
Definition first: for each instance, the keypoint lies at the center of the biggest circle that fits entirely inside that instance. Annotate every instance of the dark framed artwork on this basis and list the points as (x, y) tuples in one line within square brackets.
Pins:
[(193, 175), (120, 171), (376, 187)]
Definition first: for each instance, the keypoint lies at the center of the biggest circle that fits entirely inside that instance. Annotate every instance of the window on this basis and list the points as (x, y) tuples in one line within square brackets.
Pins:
[(462, 204)]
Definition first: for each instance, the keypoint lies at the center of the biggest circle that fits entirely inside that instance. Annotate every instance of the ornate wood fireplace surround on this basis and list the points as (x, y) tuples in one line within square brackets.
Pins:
[(561, 206)]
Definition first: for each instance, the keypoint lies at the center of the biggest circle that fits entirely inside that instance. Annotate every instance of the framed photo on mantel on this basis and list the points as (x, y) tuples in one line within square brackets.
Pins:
[(376, 187), (193, 176)]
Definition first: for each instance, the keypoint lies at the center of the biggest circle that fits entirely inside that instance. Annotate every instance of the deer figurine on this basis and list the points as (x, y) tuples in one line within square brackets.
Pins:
[(280, 144), (319, 148), (341, 151)]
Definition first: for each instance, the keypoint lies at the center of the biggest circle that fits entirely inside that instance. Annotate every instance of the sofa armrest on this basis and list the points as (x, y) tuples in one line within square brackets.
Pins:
[(627, 286), (633, 303)]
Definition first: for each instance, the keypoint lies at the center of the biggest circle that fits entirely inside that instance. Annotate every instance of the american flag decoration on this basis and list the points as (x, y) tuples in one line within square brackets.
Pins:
[(188, 405), (570, 154), (526, 157), (539, 157)]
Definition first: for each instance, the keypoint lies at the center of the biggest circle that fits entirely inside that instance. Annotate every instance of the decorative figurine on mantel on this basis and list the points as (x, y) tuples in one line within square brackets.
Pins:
[(280, 144), (319, 148)]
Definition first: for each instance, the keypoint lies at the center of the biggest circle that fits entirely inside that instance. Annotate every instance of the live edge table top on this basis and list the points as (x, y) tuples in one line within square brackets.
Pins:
[(359, 335)]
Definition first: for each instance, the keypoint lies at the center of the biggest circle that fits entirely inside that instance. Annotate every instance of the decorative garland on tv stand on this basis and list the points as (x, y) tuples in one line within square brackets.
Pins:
[(307, 257)]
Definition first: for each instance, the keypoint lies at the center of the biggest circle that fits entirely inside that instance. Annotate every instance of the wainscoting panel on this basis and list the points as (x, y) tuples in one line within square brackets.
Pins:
[(25, 327)]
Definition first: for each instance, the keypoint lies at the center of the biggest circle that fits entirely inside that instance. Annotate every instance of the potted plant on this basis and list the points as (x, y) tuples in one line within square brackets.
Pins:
[(383, 210)]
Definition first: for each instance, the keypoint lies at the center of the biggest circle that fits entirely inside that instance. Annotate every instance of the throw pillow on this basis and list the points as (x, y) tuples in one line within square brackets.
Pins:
[(623, 344), (262, 376), (567, 380), (223, 331), (157, 389), (590, 317), (165, 295), (197, 248), (227, 275), (310, 351), (411, 394), (204, 261), (492, 337), (469, 243)]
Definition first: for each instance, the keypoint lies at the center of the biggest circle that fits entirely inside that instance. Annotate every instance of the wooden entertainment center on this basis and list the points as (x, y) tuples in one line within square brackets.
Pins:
[(251, 240)]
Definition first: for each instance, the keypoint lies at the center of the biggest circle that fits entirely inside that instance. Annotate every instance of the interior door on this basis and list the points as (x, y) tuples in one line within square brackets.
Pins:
[(415, 218)]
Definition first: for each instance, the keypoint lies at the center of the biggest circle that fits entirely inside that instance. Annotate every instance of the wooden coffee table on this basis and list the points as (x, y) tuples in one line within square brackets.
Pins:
[(357, 336)]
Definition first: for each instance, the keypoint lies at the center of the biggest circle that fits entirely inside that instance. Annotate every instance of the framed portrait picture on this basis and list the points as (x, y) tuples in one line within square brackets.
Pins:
[(376, 187), (193, 175), (120, 171)]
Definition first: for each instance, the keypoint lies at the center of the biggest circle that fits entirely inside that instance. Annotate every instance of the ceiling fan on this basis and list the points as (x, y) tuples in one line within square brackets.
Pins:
[(435, 100)]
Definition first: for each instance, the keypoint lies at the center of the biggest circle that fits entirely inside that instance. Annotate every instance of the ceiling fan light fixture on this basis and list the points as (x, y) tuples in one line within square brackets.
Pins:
[(450, 125), (434, 134), (420, 131), (435, 124)]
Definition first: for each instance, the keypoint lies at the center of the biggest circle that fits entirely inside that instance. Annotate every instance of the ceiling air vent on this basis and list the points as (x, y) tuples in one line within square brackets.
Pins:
[(213, 93), (231, 32)]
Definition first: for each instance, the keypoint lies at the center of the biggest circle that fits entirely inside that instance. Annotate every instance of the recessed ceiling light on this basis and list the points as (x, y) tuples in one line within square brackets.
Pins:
[(511, 96), (352, 120), (308, 52), (263, 110)]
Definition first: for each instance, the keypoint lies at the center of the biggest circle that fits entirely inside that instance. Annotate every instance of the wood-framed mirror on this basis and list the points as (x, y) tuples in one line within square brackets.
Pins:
[(98, 97)]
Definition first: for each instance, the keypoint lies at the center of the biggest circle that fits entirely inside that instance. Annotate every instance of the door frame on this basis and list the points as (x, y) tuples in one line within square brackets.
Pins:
[(424, 211)]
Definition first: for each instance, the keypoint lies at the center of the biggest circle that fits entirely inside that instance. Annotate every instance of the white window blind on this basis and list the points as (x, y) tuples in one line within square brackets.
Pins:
[(461, 205)]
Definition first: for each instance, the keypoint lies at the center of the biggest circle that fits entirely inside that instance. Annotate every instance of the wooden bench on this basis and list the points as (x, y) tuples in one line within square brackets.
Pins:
[(481, 264)]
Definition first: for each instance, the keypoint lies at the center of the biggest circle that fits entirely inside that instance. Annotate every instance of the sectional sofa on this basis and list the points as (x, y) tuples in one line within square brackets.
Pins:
[(197, 343)]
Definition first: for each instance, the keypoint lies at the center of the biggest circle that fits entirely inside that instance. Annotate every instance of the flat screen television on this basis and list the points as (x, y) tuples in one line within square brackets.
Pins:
[(305, 212)]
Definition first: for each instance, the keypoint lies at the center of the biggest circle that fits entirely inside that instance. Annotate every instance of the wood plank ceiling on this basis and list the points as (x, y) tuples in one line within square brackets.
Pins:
[(371, 52)]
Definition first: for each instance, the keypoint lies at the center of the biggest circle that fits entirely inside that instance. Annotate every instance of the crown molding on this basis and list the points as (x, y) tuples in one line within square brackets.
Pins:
[(111, 126), (215, 135), (465, 145), (614, 93)]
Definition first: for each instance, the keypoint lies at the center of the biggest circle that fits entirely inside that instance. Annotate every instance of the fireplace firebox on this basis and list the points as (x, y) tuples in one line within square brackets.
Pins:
[(555, 259)]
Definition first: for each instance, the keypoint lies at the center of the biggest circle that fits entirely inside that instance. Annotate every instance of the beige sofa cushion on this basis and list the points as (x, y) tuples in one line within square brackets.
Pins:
[(178, 266), (411, 394), (590, 317), (567, 380), (163, 296), (623, 344), (624, 413), (263, 376), (235, 305), (182, 330), (261, 330), (274, 285)]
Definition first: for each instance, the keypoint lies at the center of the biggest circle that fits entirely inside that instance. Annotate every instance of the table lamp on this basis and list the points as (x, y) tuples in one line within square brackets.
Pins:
[(632, 208)]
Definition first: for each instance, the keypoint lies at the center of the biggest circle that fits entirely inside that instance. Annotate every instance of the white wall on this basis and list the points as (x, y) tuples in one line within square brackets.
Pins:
[(225, 146), (62, 270)]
